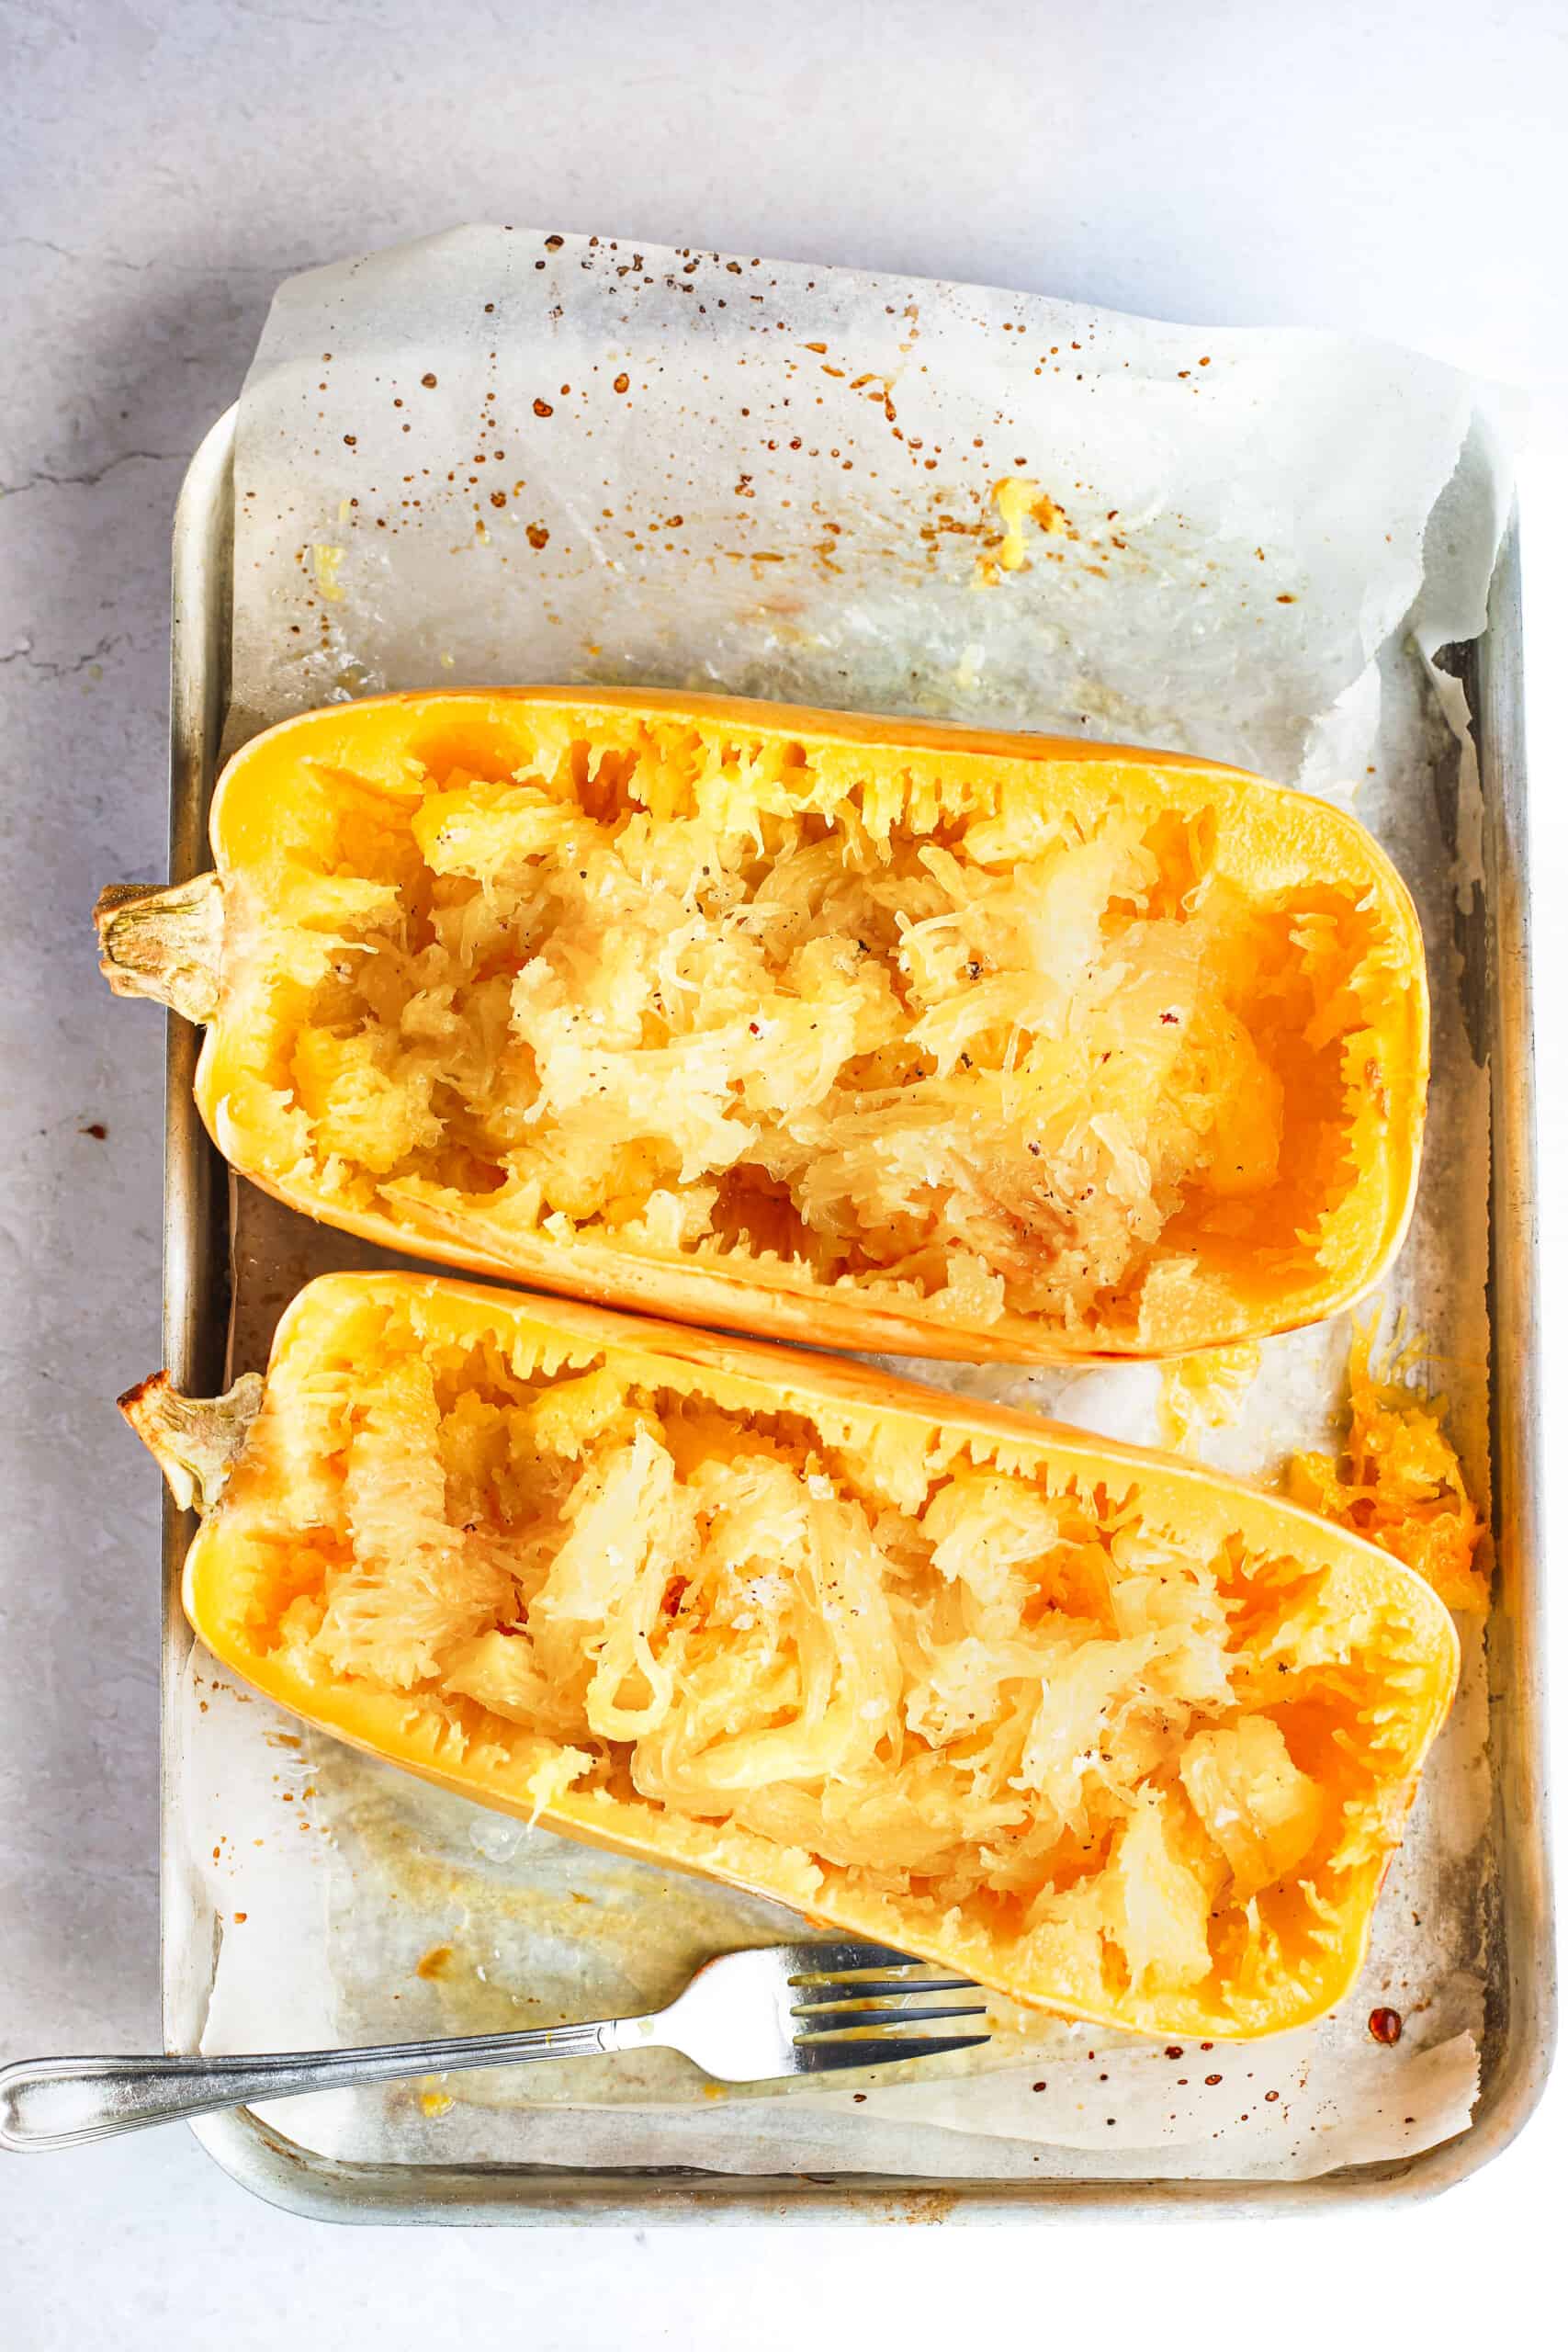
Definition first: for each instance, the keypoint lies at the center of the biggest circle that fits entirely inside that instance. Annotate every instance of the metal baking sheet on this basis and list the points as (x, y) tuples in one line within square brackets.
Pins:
[(200, 1242)]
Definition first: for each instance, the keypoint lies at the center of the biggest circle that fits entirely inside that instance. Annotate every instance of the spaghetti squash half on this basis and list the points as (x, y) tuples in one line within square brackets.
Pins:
[(888, 1035), (1114, 1735)]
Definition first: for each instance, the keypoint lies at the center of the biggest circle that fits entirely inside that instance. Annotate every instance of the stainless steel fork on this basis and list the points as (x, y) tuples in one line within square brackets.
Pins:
[(805, 2009)]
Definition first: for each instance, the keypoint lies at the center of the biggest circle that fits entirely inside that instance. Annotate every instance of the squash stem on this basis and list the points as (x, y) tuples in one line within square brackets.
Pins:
[(196, 1441), (166, 944)]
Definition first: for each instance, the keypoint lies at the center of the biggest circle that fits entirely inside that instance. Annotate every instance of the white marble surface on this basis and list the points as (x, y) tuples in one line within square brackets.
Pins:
[(1396, 169)]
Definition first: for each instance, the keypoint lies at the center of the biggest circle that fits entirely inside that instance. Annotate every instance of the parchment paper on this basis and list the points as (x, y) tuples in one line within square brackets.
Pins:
[(503, 456)]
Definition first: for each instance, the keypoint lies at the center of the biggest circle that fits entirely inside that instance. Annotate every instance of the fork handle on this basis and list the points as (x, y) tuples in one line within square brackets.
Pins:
[(63, 2102)]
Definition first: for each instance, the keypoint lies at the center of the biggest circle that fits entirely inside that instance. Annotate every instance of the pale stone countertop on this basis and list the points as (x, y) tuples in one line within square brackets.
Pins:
[(1397, 169)]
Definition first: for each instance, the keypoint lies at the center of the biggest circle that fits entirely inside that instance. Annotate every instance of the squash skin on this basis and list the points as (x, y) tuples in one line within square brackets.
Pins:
[(393, 1726), (1267, 832)]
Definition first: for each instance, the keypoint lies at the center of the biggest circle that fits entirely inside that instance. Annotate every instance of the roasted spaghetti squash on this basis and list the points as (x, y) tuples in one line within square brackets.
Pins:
[(1117, 1736), (889, 1035)]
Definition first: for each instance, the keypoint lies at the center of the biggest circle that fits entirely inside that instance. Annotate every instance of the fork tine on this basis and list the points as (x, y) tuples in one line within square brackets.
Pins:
[(817, 1992), (875, 2019), (825, 2057), (840, 1958)]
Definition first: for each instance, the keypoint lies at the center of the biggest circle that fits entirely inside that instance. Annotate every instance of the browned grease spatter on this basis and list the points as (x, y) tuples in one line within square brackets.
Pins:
[(1385, 2026)]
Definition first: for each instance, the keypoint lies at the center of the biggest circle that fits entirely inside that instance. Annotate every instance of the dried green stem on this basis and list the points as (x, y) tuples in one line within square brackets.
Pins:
[(196, 1441), (167, 944)]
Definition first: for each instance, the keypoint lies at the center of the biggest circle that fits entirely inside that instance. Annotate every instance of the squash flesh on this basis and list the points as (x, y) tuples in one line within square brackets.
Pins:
[(1032, 1051), (1400, 1483), (1117, 1736), (883, 1062)]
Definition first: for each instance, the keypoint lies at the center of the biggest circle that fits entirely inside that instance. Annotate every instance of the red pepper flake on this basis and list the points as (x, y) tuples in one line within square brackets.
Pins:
[(1038, 2086), (1385, 2026), (429, 382), (1269, 2098), (859, 2098), (674, 1593), (1212, 2079), (1174, 2050), (240, 1919), (1284, 600), (537, 535), (97, 1129), (623, 383)]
